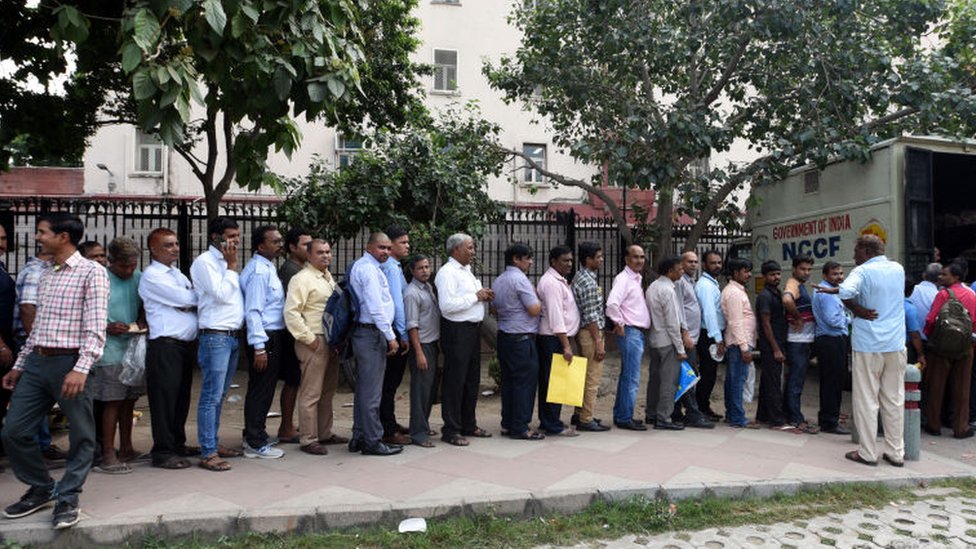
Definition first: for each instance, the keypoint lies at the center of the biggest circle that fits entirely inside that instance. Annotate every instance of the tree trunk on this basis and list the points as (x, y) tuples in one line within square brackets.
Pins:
[(663, 225)]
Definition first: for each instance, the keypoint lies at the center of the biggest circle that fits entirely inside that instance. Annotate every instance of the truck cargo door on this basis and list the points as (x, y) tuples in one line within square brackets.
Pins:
[(919, 226)]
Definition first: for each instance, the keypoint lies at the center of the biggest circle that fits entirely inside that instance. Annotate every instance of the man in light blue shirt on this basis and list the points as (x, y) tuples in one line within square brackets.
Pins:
[(830, 346), (709, 295), (264, 303), (393, 432), (220, 316), (373, 340), (924, 292), (873, 292)]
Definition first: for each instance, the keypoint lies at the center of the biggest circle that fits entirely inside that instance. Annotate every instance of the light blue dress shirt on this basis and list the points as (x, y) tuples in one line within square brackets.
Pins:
[(219, 299), (877, 284), (710, 298), (398, 284), (922, 298), (167, 297), (264, 300), (829, 312), (373, 291)]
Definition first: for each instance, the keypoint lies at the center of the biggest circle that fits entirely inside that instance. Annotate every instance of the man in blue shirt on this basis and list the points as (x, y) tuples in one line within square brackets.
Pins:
[(830, 346), (517, 307), (709, 295), (373, 340), (873, 292), (264, 302), (393, 432)]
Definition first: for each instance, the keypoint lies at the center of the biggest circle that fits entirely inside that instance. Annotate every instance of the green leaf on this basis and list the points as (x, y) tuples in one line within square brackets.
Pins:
[(282, 83), (316, 92), (142, 85), (131, 57), (146, 30), (183, 107), (336, 87), (169, 97), (250, 11), (213, 11)]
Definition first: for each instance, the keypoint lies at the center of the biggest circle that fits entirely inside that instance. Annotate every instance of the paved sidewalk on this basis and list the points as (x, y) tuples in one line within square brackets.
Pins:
[(309, 493), (942, 523)]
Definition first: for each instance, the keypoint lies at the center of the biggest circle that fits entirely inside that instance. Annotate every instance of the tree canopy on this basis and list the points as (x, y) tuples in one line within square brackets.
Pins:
[(649, 87), (429, 177), (230, 75)]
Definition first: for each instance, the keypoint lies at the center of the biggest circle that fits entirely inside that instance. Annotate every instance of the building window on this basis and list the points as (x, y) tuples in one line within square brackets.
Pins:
[(811, 182), (149, 153), (445, 70), (537, 153), (346, 150)]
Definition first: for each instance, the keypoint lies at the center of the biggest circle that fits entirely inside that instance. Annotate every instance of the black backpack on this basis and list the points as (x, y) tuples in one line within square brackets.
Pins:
[(341, 312), (952, 334)]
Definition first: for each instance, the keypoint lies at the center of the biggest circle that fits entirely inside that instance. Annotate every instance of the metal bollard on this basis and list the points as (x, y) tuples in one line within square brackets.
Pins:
[(913, 415)]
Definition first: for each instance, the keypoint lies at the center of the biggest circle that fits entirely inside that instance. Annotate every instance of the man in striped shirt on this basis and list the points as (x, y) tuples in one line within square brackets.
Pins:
[(68, 337)]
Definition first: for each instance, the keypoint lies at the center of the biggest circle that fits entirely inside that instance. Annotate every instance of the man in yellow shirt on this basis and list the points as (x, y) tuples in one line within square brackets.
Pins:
[(308, 292)]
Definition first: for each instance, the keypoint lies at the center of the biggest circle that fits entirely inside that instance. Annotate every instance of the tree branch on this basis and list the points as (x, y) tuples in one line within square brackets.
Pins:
[(729, 70), (230, 167), (615, 212), (191, 160), (649, 94)]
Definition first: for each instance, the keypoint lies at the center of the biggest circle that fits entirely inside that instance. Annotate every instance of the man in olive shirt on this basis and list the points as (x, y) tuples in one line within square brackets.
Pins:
[(296, 242)]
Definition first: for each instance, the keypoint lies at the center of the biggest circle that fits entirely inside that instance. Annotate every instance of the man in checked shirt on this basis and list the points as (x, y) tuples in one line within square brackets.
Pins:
[(68, 337)]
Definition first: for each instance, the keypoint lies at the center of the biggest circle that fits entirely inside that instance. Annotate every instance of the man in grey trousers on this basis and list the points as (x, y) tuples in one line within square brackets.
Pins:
[(667, 345)]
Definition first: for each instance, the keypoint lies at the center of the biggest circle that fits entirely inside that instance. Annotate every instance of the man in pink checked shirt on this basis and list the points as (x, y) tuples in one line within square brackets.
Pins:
[(68, 337)]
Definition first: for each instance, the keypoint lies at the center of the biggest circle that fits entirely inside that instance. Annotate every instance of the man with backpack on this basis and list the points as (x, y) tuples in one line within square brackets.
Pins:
[(949, 327), (308, 292)]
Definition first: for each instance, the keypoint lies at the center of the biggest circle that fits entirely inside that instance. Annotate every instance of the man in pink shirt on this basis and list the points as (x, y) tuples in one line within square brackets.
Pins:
[(631, 319), (740, 339), (952, 369), (558, 323)]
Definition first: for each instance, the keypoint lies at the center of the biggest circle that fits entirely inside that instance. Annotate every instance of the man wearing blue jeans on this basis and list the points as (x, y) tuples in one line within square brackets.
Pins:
[(628, 311), (220, 310), (799, 338), (740, 339)]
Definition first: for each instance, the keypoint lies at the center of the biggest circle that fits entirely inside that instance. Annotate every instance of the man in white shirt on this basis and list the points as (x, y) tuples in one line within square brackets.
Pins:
[(220, 316), (462, 309), (171, 305)]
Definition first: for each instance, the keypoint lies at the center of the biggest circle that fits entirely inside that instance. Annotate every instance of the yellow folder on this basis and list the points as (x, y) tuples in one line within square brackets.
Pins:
[(566, 381)]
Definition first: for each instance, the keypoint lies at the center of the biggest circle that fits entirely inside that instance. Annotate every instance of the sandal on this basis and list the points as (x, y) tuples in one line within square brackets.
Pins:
[(424, 443), (478, 433), (808, 429), (854, 456), (787, 428), (173, 462), (529, 435), (456, 440), (225, 452), (334, 439), (120, 468), (214, 462)]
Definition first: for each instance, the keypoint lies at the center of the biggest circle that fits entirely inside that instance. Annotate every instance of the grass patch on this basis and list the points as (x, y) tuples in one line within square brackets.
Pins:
[(600, 521)]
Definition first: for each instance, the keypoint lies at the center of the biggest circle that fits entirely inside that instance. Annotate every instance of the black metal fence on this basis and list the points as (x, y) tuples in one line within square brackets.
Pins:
[(106, 218)]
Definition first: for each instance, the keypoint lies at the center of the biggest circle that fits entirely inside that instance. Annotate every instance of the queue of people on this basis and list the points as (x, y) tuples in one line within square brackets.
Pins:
[(80, 318)]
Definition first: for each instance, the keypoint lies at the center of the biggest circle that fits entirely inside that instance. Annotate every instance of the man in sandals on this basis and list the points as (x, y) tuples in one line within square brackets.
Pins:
[(871, 292), (67, 339), (171, 312), (373, 340), (517, 307), (221, 315)]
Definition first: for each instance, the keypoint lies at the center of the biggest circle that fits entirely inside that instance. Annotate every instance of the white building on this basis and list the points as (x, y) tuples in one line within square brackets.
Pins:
[(457, 36)]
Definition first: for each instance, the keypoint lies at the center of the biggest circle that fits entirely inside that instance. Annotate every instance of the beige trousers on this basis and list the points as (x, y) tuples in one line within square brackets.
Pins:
[(320, 377), (879, 383), (594, 372)]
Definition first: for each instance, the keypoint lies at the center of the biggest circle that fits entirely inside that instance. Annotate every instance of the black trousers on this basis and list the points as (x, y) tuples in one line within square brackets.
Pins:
[(461, 344), (708, 370), (392, 377), (770, 387), (261, 389), (518, 359), (549, 413), (686, 409), (169, 377), (831, 354)]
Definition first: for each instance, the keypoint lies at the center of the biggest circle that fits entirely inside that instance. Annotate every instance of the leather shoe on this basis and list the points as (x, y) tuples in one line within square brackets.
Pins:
[(969, 433), (712, 416), (701, 424), (397, 438), (574, 420), (632, 425), (380, 449), (315, 449), (355, 444), (669, 426), (838, 430), (591, 427)]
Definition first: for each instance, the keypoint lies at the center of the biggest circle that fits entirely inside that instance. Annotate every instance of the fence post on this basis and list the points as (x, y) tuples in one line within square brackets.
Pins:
[(570, 220), (183, 235)]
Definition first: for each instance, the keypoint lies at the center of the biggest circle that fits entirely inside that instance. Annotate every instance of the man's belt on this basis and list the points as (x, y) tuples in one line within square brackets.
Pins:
[(363, 325), (228, 333), (55, 351), (517, 337)]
